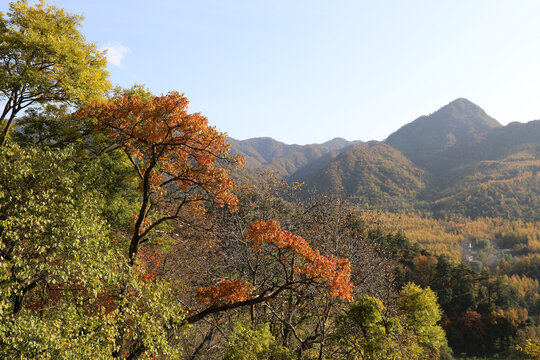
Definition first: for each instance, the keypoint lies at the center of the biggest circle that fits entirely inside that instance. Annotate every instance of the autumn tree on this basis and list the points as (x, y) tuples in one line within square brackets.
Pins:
[(134, 310), (302, 316), (279, 267), (422, 315), (531, 348), (178, 160), (45, 59), (364, 331), (298, 265), (369, 330), (175, 155), (249, 342)]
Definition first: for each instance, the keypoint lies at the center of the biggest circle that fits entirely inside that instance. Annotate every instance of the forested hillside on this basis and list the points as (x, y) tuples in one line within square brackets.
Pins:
[(464, 193), (377, 174), (457, 160), (269, 154), (128, 230)]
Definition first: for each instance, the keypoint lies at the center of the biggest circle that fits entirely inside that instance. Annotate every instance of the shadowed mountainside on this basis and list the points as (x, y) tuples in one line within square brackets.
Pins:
[(458, 160), (377, 174), (428, 135)]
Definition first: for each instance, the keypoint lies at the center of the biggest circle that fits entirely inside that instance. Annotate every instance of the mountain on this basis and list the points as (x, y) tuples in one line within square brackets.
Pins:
[(428, 135), (493, 174), (268, 154), (495, 144), (458, 160), (376, 175)]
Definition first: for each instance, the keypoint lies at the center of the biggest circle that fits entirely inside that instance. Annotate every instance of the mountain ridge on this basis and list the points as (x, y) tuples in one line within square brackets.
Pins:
[(458, 159), (457, 121)]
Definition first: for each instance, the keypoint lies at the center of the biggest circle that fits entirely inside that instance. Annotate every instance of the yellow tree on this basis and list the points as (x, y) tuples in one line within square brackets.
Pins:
[(531, 348), (45, 59)]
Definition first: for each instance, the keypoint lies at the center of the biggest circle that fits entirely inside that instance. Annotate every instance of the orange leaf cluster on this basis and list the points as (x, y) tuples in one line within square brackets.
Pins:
[(152, 260), (335, 271), (472, 321), (227, 291), (160, 135)]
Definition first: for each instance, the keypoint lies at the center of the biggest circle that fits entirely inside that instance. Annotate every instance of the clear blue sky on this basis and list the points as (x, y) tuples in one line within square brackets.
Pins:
[(308, 71)]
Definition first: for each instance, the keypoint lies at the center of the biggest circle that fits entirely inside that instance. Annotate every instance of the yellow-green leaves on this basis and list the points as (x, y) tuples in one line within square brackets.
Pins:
[(55, 257), (44, 58), (371, 331), (364, 330), (422, 314), (253, 342)]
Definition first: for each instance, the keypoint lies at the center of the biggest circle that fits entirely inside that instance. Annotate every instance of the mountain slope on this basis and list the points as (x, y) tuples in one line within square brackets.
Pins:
[(428, 135), (270, 154), (496, 174), (378, 175), (495, 144), (457, 160)]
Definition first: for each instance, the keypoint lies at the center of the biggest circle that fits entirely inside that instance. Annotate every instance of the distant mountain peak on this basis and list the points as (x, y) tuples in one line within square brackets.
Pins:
[(464, 109), (267, 153), (454, 122), (336, 143), (462, 102)]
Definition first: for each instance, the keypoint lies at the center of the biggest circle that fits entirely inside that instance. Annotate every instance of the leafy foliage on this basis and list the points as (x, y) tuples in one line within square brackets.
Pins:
[(422, 313), (253, 343), (172, 152), (334, 271), (531, 348), (45, 59), (363, 329), (54, 261), (369, 331)]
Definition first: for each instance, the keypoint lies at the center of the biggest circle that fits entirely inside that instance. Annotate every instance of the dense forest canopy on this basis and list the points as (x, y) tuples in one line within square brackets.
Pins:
[(128, 229)]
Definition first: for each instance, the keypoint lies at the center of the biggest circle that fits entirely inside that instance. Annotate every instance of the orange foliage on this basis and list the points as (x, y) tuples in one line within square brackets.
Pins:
[(335, 271), (151, 261), (166, 144), (472, 321), (226, 291)]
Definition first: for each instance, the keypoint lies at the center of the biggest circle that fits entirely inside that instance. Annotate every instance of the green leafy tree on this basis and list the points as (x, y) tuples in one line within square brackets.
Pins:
[(45, 59), (368, 330), (254, 342), (364, 331), (66, 290), (55, 258), (422, 313)]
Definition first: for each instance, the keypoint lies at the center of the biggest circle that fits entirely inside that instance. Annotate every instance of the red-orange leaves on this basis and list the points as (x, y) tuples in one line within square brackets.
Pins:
[(227, 291), (173, 153), (334, 271), (151, 263), (166, 144)]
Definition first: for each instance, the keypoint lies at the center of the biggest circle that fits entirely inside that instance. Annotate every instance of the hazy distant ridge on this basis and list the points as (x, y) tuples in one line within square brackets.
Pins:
[(456, 160), (267, 153), (458, 121)]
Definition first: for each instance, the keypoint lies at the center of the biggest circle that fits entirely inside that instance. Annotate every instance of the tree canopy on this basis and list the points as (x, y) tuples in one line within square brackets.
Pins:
[(45, 59), (127, 231)]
